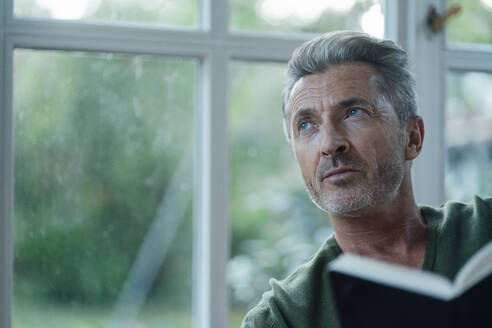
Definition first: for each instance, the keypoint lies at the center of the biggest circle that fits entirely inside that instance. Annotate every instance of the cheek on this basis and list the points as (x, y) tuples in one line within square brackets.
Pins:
[(370, 145), (307, 160), (379, 151)]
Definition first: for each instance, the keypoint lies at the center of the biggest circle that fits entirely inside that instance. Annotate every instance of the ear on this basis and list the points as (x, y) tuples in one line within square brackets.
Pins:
[(415, 137)]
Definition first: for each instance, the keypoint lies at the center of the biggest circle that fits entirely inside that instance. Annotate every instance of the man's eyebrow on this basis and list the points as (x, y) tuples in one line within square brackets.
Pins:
[(304, 112), (349, 102)]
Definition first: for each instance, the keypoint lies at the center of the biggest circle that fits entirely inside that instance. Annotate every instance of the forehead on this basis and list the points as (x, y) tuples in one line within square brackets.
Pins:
[(336, 84)]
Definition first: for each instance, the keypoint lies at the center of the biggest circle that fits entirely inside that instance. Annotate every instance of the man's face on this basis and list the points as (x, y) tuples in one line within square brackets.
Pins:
[(347, 139)]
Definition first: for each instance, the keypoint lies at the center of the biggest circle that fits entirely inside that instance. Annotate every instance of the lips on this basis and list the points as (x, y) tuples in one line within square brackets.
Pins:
[(339, 173)]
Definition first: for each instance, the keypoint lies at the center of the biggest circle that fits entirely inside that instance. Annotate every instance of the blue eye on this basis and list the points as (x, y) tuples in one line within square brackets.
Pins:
[(304, 125), (354, 111)]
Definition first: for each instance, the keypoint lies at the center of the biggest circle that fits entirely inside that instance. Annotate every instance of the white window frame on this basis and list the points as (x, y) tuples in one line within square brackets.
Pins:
[(214, 46)]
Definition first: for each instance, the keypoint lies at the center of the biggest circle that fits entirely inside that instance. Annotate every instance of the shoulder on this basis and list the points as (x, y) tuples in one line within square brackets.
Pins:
[(459, 230), (298, 300), (474, 217)]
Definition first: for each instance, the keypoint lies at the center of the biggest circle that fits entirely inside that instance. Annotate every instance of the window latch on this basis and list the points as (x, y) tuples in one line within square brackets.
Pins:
[(437, 21)]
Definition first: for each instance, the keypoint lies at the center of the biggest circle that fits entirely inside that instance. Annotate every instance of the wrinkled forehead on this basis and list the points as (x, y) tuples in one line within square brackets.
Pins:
[(337, 83)]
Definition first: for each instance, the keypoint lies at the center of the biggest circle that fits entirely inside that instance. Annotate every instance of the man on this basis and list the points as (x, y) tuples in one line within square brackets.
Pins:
[(349, 110)]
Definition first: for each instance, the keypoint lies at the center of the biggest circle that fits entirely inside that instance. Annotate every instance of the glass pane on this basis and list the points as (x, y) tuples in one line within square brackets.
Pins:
[(468, 135), (174, 12), (274, 225), (103, 190), (308, 15), (473, 23)]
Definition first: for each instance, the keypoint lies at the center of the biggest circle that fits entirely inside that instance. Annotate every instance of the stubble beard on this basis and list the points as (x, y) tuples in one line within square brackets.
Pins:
[(355, 197)]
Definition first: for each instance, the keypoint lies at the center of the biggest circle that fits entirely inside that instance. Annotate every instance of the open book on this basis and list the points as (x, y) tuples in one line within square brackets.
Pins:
[(371, 293)]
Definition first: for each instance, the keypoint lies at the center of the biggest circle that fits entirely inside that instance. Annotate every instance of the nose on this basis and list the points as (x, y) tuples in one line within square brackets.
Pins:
[(333, 141)]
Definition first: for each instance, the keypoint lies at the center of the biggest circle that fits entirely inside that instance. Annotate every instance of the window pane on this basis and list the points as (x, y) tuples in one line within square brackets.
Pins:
[(274, 225), (174, 12), (473, 23), (308, 16), (468, 135), (103, 190)]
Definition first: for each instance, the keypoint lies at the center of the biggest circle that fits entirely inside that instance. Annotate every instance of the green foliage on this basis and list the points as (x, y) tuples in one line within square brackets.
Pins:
[(97, 140), (468, 151), (472, 24)]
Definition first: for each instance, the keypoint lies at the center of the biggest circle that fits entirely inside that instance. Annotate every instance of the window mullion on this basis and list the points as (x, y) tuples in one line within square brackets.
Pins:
[(216, 17), (211, 305), (257, 47), (212, 251), (6, 172), (6, 11), (468, 59), (46, 34)]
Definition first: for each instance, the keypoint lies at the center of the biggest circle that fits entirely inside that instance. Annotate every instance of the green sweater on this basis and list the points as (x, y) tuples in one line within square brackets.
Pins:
[(454, 233)]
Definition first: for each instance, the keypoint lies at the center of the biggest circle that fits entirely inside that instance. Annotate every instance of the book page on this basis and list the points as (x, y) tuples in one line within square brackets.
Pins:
[(475, 269)]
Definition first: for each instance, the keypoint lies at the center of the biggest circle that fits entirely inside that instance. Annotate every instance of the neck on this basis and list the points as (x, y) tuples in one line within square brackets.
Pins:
[(393, 231)]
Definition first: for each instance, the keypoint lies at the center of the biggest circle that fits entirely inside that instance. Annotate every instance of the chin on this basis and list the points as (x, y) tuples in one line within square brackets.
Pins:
[(344, 203)]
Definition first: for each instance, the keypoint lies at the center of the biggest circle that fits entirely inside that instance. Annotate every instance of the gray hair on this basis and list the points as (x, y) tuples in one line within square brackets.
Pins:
[(316, 56)]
